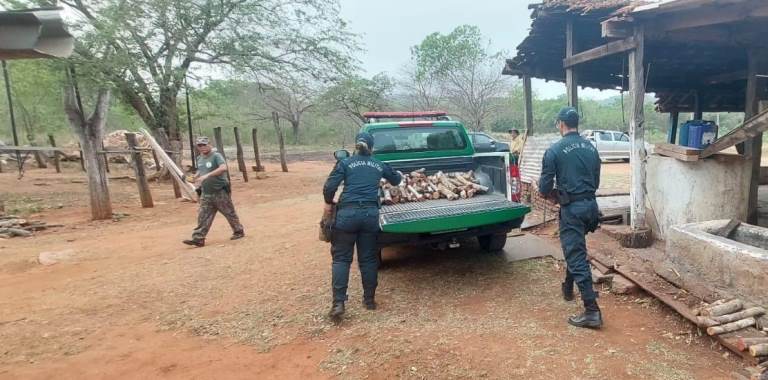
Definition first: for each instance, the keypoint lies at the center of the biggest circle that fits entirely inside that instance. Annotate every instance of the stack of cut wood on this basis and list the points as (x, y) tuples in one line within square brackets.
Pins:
[(12, 226), (724, 317), (417, 186)]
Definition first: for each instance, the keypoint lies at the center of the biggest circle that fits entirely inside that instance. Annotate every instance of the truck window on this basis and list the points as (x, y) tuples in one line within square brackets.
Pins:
[(606, 136), (417, 139), (481, 139), (624, 137)]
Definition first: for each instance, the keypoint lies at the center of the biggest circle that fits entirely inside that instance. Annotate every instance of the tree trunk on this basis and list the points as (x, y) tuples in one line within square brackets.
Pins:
[(90, 132), (295, 128), (280, 141)]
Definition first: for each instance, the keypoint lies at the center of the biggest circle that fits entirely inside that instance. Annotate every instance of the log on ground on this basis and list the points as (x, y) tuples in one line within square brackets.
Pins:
[(730, 327)]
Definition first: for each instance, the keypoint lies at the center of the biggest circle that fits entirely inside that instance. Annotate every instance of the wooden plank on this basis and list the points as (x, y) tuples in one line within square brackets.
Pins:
[(754, 147), (679, 149), (12, 148), (728, 229), (751, 128), (614, 28), (675, 155), (176, 173), (528, 100), (602, 51), (572, 88), (138, 168), (637, 132), (707, 16)]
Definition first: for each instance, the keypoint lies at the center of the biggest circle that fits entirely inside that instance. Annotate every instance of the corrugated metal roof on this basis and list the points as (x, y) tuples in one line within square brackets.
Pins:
[(34, 33), (533, 153)]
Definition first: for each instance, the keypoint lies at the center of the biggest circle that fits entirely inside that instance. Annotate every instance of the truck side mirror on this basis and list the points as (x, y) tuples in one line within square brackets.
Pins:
[(341, 154)]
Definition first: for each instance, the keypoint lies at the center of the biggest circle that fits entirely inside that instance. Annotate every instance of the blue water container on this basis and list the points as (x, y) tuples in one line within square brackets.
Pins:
[(701, 133), (683, 138)]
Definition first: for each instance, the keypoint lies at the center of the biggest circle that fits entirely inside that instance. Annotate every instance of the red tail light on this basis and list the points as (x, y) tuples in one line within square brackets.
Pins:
[(516, 185)]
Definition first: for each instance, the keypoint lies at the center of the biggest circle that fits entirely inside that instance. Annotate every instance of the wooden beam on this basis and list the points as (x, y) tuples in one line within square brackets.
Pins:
[(706, 16), (726, 77), (528, 100), (698, 114), (750, 129), (572, 88), (637, 131), (615, 28), (610, 48)]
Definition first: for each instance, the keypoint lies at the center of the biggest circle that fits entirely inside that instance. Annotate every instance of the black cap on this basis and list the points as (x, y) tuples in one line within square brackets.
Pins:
[(569, 115)]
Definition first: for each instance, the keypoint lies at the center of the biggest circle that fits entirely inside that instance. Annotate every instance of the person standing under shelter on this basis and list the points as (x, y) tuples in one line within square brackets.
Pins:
[(357, 220), (574, 164), (215, 194)]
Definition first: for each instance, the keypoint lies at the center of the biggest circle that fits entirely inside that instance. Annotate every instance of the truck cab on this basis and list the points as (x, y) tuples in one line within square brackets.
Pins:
[(429, 141)]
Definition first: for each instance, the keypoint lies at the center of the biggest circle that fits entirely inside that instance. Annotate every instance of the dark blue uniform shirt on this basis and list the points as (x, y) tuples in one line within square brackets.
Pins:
[(361, 176), (574, 162)]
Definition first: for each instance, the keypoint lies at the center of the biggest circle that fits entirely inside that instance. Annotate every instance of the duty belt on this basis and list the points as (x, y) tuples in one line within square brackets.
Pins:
[(359, 204), (581, 197)]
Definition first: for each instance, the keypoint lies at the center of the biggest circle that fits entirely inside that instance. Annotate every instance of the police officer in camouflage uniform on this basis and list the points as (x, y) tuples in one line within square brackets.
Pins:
[(357, 220), (215, 194), (574, 163)]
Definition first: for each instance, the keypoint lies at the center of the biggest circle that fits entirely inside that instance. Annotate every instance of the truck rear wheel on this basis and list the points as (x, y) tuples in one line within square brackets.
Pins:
[(492, 243)]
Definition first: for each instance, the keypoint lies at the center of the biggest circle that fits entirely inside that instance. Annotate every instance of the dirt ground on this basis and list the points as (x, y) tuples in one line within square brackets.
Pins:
[(132, 302)]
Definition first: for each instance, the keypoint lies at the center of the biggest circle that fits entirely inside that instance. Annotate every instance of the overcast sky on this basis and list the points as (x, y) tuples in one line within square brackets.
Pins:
[(390, 28)]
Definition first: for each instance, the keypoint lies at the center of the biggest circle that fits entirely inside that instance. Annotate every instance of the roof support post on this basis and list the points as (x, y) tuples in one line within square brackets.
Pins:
[(698, 113), (571, 84), (637, 131), (757, 63), (528, 99), (674, 119)]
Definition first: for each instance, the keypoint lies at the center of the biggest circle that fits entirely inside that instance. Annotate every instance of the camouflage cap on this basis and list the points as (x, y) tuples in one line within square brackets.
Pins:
[(202, 140)]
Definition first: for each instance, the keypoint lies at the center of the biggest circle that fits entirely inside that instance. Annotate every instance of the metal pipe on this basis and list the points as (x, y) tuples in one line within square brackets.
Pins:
[(10, 111)]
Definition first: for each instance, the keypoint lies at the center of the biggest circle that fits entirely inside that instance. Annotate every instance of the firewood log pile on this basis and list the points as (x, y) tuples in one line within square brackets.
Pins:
[(13, 226), (417, 186), (722, 317)]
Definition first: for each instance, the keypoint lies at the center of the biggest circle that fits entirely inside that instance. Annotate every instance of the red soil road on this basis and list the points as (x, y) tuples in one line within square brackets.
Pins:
[(135, 303)]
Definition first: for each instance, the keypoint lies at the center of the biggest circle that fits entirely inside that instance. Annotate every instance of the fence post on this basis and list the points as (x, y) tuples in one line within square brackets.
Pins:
[(220, 148), (254, 135), (55, 154), (82, 160), (280, 141), (138, 168), (240, 159)]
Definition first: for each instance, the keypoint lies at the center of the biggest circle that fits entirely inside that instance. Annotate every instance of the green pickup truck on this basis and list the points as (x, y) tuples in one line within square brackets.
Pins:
[(428, 140)]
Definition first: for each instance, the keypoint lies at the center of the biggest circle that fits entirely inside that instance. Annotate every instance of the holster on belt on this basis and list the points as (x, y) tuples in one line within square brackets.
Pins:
[(326, 225)]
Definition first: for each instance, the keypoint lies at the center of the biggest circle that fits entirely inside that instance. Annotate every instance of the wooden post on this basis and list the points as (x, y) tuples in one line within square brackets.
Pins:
[(220, 147), (56, 161), (280, 141), (138, 168), (572, 89), (637, 132), (698, 113), (674, 118), (258, 167), (176, 157), (756, 64), (106, 158), (240, 159), (82, 161), (528, 99), (157, 162)]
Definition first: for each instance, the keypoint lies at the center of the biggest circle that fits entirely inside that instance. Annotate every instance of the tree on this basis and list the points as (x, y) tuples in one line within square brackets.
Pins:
[(468, 70), (147, 47), (90, 132), (426, 92), (356, 95), (290, 95)]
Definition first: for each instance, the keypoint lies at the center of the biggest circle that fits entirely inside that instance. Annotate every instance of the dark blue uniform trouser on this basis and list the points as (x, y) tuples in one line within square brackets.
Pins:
[(355, 225), (576, 220)]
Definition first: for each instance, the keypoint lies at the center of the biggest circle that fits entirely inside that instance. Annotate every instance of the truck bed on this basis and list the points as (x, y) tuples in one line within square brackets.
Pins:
[(444, 215)]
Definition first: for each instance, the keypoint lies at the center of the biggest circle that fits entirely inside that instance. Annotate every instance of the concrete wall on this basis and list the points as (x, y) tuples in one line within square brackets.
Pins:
[(687, 192), (698, 256)]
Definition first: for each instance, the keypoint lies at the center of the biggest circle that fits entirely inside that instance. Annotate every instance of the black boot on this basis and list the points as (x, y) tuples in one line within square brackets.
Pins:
[(337, 311), (567, 288), (195, 242), (369, 300), (590, 318)]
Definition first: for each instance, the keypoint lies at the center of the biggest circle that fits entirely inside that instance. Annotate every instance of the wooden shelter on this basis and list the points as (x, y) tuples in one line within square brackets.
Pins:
[(694, 55)]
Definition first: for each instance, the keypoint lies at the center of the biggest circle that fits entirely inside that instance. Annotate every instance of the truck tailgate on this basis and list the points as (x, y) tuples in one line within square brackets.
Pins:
[(442, 215)]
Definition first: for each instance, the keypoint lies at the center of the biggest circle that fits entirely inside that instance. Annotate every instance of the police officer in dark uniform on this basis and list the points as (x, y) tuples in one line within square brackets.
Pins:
[(574, 163), (357, 220)]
